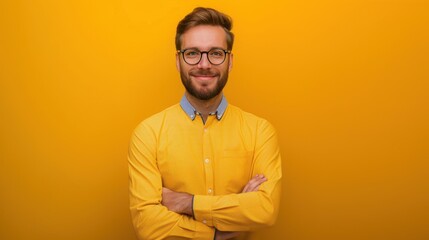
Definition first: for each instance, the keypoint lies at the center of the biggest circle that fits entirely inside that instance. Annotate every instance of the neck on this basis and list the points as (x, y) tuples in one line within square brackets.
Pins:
[(204, 106)]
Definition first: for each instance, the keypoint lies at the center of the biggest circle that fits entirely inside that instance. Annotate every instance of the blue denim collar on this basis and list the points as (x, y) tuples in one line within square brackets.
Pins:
[(192, 113)]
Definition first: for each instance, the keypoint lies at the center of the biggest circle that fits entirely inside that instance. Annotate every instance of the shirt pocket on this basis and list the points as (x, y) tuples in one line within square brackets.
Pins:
[(235, 167)]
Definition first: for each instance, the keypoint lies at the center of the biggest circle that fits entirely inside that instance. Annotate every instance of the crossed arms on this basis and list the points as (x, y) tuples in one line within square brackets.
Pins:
[(160, 213), (181, 203)]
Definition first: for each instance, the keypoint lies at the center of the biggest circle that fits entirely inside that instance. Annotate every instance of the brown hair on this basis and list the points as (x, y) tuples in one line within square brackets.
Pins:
[(205, 16)]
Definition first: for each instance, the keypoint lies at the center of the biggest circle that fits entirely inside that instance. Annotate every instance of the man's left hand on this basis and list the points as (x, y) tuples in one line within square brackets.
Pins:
[(177, 202)]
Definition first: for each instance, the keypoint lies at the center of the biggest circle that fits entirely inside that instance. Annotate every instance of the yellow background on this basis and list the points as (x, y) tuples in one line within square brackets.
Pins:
[(344, 82)]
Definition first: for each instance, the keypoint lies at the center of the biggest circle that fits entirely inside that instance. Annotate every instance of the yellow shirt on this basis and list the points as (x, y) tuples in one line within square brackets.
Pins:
[(212, 161)]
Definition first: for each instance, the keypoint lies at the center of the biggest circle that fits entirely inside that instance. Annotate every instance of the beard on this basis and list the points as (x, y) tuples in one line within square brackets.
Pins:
[(204, 94)]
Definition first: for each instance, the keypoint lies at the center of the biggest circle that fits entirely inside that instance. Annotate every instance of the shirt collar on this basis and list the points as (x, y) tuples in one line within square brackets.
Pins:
[(192, 113)]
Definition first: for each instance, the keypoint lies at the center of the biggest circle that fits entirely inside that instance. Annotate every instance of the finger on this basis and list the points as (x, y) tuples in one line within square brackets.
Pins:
[(245, 188), (248, 187), (251, 183), (254, 185)]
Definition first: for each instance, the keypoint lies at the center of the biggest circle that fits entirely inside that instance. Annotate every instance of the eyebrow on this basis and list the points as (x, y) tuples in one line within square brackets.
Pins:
[(203, 50)]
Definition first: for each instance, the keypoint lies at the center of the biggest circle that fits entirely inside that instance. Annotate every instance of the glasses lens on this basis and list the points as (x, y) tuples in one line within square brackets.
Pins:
[(192, 56), (216, 56)]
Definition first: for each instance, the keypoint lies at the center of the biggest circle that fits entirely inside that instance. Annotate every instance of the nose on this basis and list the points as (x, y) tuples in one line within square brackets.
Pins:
[(204, 62)]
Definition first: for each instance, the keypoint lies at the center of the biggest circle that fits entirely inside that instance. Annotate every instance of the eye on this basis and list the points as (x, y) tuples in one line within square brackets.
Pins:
[(192, 53), (217, 53)]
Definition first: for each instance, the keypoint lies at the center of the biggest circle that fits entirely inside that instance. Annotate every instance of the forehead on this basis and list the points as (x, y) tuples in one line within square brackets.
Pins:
[(204, 37)]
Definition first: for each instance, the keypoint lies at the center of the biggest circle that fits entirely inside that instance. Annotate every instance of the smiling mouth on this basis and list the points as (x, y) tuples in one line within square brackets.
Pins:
[(204, 77), (208, 76)]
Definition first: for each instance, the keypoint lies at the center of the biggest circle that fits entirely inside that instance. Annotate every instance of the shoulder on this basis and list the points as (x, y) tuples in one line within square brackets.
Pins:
[(255, 127), (155, 122), (246, 117)]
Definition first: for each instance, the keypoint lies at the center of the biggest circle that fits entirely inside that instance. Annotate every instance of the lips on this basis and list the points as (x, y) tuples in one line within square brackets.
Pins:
[(203, 76), (202, 73)]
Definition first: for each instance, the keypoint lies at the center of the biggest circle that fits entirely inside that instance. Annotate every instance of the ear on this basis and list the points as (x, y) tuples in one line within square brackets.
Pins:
[(231, 57), (177, 61)]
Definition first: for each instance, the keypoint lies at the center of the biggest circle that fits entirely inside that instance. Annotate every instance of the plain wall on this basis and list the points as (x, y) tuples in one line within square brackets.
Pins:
[(345, 83)]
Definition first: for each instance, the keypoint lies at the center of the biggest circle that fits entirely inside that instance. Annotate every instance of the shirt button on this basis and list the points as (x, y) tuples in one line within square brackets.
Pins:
[(206, 130), (210, 191), (206, 160), (204, 221)]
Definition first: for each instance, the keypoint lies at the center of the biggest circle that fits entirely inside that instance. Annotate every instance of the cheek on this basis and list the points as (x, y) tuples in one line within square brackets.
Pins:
[(182, 69), (185, 72), (224, 70)]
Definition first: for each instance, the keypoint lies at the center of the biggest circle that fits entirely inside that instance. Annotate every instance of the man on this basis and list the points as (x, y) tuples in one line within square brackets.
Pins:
[(203, 169)]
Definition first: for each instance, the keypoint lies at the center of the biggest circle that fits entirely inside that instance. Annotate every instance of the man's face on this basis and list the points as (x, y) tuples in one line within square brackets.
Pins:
[(204, 80)]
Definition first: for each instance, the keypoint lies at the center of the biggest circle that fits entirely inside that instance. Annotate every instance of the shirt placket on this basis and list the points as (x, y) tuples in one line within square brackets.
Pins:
[(208, 157)]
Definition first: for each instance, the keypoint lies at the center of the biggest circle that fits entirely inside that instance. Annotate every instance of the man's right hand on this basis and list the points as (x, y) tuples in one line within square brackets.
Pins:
[(226, 235), (254, 183), (251, 186)]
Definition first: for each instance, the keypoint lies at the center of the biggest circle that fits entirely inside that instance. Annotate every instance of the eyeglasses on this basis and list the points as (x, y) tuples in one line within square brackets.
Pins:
[(193, 56)]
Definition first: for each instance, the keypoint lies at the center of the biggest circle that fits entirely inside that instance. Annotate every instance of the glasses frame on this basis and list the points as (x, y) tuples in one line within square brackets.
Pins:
[(201, 56)]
